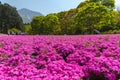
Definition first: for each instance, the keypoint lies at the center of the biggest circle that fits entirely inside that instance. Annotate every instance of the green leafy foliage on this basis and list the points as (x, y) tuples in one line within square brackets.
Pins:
[(27, 28), (66, 21), (88, 16), (9, 18), (110, 4), (14, 30), (94, 16), (118, 20), (46, 25), (37, 24), (116, 31), (51, 24)]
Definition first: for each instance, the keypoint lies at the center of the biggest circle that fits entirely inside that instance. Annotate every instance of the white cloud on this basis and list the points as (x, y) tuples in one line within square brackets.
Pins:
[(117, 2)]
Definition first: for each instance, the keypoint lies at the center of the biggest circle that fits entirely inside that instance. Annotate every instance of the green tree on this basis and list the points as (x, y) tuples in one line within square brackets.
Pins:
[(9, 18), (69, 20), (62, 20), (118, 20), (37, 25), (27, 28), (94, 16), (52, 24), (46, 24), (66, 21), (110, 4), (83, 4), (94, 0)]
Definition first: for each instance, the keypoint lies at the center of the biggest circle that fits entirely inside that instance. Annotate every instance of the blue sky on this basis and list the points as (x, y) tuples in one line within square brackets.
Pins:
[(46, 6)]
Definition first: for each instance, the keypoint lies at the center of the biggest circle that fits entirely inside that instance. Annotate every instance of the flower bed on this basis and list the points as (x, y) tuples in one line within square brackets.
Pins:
[(90, 57)]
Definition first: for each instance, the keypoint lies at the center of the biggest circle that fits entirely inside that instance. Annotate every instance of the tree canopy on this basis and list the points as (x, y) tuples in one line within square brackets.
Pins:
[(46, 25), (94, 16), (9, 18), (87, 16), (110, 4)]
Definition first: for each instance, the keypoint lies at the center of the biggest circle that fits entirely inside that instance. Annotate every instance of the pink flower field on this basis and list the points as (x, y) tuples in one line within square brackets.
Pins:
[(90, 57)]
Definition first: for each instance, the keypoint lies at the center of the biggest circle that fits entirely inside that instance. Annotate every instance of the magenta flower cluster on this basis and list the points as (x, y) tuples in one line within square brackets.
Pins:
[(90, 57)]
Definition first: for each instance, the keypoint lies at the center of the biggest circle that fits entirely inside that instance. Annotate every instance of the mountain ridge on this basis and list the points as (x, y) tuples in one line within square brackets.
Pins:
[(28, 14)]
